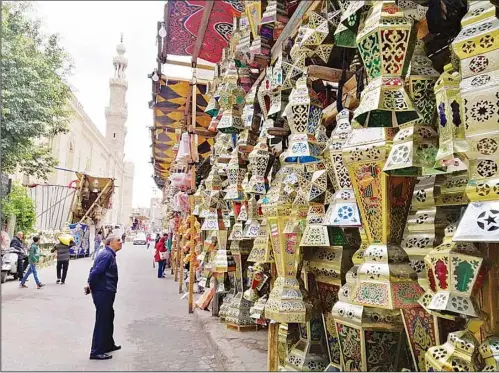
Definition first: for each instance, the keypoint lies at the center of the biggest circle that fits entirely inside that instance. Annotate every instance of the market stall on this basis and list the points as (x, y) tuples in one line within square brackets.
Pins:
[(344, 195)]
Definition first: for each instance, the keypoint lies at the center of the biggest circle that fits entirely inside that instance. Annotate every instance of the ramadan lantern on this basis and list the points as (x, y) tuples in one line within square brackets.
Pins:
[(258, 165), (231, 101), (304, 112), (477, 47), (343, 211), (286, 301), (385, 44), (458, 354), (455, 273), (489, 350)]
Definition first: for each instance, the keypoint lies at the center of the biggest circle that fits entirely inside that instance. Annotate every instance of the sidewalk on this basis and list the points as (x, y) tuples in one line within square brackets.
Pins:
[(245, 351)]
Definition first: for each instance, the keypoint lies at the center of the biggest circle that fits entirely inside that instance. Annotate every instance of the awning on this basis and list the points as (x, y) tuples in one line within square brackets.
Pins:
[(169, 111), (183, 18)]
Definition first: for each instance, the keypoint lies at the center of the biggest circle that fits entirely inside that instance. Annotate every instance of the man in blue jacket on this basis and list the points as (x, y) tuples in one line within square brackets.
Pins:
[(102, 283)]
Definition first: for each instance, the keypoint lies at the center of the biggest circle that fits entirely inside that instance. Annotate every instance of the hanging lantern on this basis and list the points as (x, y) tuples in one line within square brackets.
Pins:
[(258, 163), (489, 350), (315, 234), (258, 309), (329, 266), (285, 302), (238, 312), (252, 224), (262, 250), (231, 101), (476, 45), (235, 175), (251, 111), (451, 156), (420, 234), (308, 354), (383, 44), (212, 108), (458, 354), (455, 272), (224, 261), (304, 113)]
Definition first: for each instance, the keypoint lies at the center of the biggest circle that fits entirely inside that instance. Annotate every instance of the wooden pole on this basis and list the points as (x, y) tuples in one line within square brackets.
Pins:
[(489, 299), (193, 188), (180, 268), (273, 334)]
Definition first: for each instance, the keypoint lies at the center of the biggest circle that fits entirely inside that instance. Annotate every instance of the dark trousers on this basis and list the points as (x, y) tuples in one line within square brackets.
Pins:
[(22, 264), (62, 266), (161, 268), (102, 340)]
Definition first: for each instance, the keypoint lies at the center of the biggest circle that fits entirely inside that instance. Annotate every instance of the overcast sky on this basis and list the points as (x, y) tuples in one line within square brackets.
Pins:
[(90, 31)]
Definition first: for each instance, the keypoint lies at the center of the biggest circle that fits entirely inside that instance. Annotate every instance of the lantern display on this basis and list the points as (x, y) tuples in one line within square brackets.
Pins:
[(479, 90)]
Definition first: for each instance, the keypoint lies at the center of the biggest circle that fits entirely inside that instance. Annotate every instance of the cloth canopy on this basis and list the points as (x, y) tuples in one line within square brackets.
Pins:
[(183, 18)]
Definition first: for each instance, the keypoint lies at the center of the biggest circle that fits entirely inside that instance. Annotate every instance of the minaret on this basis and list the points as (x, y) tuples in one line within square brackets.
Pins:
[(116, 112)]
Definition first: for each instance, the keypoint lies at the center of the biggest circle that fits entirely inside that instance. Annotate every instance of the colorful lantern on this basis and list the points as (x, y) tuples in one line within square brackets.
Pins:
[(455, 273), (384, 45), (304, 114), (258, 164)]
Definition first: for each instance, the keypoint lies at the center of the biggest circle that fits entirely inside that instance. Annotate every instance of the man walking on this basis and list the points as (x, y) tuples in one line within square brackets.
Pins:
[(17, 242), (33, 258), (102, 283), (66, 241)]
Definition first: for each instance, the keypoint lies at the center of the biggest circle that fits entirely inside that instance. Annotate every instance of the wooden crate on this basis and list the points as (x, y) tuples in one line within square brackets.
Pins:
[(242, 328)]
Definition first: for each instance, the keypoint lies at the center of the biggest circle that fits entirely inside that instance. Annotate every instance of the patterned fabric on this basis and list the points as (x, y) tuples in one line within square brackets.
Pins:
[(169, 111), (184, 18)]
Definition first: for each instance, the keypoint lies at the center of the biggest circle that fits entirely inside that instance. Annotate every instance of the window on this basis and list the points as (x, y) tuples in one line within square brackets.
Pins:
[(114, 135)]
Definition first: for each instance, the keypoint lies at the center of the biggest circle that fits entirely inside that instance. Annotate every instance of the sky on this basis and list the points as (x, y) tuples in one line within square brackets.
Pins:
[(90, 31)]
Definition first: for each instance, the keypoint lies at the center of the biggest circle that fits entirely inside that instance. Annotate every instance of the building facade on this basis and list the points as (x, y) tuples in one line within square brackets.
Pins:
[(85, 149), (156, 214)]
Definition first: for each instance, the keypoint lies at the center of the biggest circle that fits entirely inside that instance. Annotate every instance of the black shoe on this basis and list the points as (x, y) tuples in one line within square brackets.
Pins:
[(114, 348), (58, 282), (62, 282), (100, 357)]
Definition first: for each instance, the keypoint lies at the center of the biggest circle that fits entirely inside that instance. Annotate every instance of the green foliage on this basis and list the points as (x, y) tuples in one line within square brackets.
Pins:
[(35, 95), (22, 206)]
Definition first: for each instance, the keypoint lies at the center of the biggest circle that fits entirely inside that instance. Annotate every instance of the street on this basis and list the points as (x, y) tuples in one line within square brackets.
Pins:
[(51, 328)]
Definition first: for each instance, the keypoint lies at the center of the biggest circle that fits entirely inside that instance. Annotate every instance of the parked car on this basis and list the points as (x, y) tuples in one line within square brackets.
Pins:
[(139, 239)]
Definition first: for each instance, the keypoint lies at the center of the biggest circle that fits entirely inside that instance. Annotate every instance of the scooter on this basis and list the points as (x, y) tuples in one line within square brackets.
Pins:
[(9, 263)]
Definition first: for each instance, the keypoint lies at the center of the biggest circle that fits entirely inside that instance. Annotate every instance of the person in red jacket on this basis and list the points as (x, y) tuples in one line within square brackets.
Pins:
[(158, 258)]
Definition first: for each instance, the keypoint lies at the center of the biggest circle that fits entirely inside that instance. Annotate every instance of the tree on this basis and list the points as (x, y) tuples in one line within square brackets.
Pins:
[(35, 93), (22, 206)]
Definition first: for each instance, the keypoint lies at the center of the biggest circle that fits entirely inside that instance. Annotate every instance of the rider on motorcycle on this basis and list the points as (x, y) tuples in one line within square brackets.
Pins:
[(22, 257)]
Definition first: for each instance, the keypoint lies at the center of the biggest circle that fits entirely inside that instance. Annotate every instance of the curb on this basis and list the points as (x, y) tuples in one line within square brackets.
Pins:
[(223, 347)]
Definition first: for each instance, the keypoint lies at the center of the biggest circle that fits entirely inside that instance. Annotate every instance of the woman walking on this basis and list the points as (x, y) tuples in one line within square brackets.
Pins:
[(160, 257)]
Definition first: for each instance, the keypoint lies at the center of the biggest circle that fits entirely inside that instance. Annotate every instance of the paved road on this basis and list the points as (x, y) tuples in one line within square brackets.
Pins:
[(51, 329)]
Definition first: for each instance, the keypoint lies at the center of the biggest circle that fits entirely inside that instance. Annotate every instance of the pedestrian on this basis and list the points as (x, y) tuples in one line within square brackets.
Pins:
[(102, 284), (97, 240), (148, 240), (66, 241), (123, 237), (22, 258), (33, 259), (160, 257)]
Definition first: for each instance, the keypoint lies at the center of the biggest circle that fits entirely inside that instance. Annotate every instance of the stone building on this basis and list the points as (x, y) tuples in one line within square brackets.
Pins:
[(85, 149)]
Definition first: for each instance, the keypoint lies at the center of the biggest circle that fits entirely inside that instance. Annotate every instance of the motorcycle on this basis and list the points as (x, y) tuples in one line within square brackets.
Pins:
[(10, 258)]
